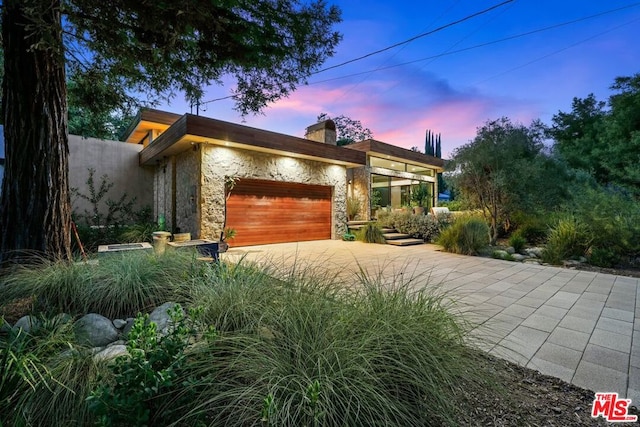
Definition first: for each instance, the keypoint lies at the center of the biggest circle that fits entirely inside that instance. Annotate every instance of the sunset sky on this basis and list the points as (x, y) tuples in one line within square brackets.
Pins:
[(449, 83)]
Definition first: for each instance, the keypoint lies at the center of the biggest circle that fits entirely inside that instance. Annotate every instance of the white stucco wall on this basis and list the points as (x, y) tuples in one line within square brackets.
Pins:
[(117, 160), (219, 162)]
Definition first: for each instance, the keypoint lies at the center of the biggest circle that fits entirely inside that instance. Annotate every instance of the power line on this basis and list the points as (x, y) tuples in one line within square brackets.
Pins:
[(528, 33), (466, 18), (559, 50)]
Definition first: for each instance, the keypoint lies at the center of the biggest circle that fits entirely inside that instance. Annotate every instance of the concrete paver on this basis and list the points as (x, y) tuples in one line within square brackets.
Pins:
[(580, 326)]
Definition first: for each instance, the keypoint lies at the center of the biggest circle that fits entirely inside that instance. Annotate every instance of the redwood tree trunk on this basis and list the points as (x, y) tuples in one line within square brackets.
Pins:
[(35, 210)]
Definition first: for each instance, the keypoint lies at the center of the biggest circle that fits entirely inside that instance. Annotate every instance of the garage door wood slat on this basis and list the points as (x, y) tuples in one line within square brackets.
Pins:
[(265, 212)]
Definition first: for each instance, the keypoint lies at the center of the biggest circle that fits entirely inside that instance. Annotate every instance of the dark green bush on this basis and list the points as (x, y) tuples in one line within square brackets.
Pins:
[(468, 235), (517, 241), (532, 227), (425, 227), (603, 257)]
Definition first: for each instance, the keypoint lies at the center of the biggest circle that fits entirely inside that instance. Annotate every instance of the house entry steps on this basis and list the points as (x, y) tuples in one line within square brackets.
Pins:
[(390, 235)]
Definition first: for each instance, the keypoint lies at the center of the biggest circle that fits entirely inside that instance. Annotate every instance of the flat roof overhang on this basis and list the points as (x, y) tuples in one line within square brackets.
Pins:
[(189, 130), (146, 120), (392, 152)]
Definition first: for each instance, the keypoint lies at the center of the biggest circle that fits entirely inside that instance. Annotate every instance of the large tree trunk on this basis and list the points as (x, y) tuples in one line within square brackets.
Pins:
[(35, 211)]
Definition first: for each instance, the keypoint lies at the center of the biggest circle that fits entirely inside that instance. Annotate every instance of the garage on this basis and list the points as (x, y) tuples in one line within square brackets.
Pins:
[(265, 212)]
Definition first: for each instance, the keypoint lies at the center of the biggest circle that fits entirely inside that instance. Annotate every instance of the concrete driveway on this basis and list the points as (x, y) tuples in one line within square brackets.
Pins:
[(582, 327)]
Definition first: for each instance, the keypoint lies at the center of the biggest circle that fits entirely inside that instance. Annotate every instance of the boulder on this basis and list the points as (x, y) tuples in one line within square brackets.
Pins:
[(510, 250), (111, 353), (119, 323), (26, 323), (161, 318), (534, 252), (518, 257), (95, 330), (532, 261)]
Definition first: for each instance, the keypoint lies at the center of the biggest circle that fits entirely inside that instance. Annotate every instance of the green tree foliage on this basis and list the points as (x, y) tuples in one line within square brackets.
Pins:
[(604, 142), (125, 49), (504, 170), (348, 130)]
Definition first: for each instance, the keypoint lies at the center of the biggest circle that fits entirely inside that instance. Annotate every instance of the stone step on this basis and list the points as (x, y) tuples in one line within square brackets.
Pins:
[(355, 223), (405, 242), (395, 236)]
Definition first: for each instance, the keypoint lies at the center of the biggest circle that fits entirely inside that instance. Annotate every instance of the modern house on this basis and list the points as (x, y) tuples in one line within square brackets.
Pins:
[(268, 186)]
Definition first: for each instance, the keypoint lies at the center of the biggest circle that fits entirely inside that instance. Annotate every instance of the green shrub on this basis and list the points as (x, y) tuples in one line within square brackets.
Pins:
[(613, 220), (517, 241), (144, 387), (603, 257), (370, 233), (532, 227), (120, 285), (425, 227), (568, 238), (468, 235), (318, 353), (502, 255), (453, 205)]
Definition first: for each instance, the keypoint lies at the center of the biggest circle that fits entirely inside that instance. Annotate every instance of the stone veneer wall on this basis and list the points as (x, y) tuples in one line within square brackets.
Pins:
[(162, 192), (219, 162), (361, 189), (188, 192)]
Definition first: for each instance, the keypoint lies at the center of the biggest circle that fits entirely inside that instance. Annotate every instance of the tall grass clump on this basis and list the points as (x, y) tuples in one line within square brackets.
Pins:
[(318, 353), (468, 235), (118, 285), (568, 238), (44, 376), (370, 233), (517, 241)]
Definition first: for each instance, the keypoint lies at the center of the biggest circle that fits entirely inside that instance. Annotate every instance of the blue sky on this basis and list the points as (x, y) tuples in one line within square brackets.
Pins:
[(524, 78)]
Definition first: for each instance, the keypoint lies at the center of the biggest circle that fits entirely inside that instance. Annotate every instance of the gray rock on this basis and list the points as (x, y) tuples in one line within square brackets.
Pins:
[(27, 324), (510, 250), (532, 261), (119, 342), (161, 318), (111, 353), (119, 323), (571, 263), (582, 259), (95, 330), (534, 252), (519, 257)]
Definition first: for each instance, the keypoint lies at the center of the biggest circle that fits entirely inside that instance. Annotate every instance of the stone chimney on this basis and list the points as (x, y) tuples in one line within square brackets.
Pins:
[(324, 132)]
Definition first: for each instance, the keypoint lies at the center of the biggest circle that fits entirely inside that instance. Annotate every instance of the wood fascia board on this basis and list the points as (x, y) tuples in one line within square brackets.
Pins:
[(190, 129)]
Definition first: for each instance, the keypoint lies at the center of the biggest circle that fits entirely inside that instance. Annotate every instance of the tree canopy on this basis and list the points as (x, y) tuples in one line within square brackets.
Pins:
[(348, 130), (118, 51), (604, 142), (505, 169)]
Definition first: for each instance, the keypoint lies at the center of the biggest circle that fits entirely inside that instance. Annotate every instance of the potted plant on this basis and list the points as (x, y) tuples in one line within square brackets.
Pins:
[(420, 197), (227, 234)]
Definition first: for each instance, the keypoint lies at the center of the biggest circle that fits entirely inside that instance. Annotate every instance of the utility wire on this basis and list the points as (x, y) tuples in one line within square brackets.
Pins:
[(452, 52), (528, 33), (559, 50), (451, 24)]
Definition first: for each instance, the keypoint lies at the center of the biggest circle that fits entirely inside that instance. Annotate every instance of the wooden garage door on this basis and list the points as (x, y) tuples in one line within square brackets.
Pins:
[(275, 212)]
